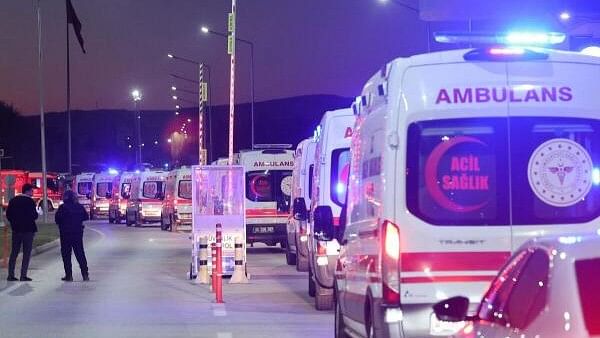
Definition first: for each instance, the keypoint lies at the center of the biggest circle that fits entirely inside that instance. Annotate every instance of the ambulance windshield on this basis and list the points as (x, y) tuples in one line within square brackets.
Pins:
[(483, 171)]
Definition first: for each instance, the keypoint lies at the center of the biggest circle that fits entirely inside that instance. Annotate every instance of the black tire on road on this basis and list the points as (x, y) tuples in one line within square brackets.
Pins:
[(301, 264), (311, 284), (323, 302), (290, 257)]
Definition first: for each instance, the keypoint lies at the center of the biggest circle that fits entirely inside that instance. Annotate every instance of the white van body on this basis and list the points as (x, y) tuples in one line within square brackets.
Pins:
[(145, 204), (458, 157), (177, 202), (330, 179), (297, 249), (268, 189), (103, 184), (121, 195), (84, 184)]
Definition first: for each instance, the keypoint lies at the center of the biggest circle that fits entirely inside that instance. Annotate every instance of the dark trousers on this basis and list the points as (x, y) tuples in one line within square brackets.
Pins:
[(73, 242), (19, 239)]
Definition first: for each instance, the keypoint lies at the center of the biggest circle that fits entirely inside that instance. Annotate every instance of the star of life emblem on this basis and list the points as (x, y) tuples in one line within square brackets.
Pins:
[(560, 172)]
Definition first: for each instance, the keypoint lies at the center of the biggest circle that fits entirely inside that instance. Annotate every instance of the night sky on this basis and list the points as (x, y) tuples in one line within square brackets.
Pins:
[(301, 47)]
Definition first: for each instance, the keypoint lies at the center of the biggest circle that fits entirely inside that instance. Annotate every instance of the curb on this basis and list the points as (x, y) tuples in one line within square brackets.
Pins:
[(45, 247)]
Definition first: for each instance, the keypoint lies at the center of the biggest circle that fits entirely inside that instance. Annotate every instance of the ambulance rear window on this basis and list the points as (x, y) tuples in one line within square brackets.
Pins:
[(151, 189), (84, 188), (185, 189), (103, 188), (500, 171)]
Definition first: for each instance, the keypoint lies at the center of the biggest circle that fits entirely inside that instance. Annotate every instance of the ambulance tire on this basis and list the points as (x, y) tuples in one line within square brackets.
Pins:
[(127, 221), (339, 326), (111, 220), (170, 226), (323, 302), (370, 317), (163, 226), (301, 264), (283, 244), (311, 284), (290, 257)]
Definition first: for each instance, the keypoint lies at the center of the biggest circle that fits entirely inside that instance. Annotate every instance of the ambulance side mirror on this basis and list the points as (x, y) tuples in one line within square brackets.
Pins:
[(299, 209), (323, 223)]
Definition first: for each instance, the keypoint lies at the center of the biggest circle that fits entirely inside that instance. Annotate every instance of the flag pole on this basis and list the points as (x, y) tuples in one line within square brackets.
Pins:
[(42, 124), (69, 156)]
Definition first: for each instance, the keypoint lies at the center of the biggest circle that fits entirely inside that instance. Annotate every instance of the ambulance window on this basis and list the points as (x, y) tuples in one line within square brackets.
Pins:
[(126, 190), (259, 186), (185, 189), (151, 189), (103, 188), (84, 188), (340, 170), (555, 170), (457, 171)]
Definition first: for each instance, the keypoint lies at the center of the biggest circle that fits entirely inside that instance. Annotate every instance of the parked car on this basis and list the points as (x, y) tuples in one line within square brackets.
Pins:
[(549, 288)]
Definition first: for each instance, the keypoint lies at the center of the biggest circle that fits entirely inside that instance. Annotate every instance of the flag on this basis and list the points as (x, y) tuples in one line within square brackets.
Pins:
[(74, 20)]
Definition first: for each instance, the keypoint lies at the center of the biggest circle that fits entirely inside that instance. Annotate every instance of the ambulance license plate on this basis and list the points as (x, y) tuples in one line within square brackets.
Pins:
[(264, 230)]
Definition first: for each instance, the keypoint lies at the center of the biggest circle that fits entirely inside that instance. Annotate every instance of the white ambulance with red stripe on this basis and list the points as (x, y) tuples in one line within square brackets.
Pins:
[(145, 204), (297, 227), (177, 202), (121, 195), (458, 157), (268, 190), (83, 186), (330, 179), (102, 192)]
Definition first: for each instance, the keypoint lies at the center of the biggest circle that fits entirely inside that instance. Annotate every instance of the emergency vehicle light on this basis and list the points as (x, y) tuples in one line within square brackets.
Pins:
[(504, 54), (273, 146), (511, 38)]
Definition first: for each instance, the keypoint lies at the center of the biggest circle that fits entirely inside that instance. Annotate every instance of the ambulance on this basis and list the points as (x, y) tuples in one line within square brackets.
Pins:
[(102, 193), (177, 202), (268, 190), (331, 169), (297, 248), (459, 157), (84, 184), (145, 203), (120, 196), (53, 191)]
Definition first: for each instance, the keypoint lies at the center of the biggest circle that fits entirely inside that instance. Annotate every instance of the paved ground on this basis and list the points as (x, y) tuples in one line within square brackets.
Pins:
[(139, 288)]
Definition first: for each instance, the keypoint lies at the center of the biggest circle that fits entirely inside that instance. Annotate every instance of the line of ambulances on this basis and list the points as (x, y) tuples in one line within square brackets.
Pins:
[(452, 160)]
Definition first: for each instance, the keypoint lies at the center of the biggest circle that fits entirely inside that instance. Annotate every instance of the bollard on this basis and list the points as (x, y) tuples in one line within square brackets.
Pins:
[(239, 273), (213, 276), (219, 270), (203, 261)]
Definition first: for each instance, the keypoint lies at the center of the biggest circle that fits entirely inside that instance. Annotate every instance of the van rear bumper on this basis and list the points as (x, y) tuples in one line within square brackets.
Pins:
[(411, 320)]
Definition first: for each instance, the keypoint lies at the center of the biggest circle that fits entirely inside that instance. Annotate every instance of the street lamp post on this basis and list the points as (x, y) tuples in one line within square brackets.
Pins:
[(202, 95), (207, 30), (137, 96)]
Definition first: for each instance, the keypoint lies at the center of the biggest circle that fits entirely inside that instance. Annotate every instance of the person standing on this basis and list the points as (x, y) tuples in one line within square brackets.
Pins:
[(69, 217), (21, 214)]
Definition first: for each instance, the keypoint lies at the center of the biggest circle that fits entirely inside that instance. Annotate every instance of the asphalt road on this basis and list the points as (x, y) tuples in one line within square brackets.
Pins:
[(139, 288)]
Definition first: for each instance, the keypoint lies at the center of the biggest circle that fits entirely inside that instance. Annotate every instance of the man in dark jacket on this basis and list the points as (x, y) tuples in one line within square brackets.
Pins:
[(70, 217), (21, 214)]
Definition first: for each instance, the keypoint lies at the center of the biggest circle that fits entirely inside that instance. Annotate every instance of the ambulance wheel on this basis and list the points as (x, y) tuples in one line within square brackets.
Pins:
[(170, 226), (339, 326), (111, 220), (191, 275), (311, 284), (301, 264), (323, 302), (290, 257), (163, 226), (283, 244), (370, 317)]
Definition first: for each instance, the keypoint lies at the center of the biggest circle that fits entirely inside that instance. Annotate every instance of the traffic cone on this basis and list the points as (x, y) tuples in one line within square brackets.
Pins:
[(239, 271)]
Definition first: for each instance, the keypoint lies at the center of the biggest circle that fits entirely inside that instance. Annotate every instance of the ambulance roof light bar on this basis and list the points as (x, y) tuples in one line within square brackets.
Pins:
[(510, 38), (273, 146)]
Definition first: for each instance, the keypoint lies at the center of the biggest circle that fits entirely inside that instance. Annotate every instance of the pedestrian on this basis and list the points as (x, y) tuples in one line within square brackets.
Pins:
[(21, 214), (69, 217)]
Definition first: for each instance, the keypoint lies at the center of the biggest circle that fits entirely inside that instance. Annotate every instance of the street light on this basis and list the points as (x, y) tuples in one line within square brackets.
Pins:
[(206, 30), (200, 93), (136, 94)]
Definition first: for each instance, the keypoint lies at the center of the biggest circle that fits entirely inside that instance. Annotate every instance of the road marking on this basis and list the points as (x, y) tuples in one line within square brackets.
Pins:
[(219, 310), (224, 335), (98, 232)]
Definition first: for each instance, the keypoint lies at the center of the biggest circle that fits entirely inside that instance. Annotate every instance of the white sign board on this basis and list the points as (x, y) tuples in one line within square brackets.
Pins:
[(218, 195)]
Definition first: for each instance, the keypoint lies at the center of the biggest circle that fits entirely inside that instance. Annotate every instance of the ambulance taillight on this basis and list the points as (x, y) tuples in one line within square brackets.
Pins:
[(390, 264)]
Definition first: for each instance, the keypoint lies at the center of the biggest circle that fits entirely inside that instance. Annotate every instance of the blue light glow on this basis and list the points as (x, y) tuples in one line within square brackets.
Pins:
[(340, 188), (596, 176), (534, 38), (137, 171), (591, 51), (113, 171)]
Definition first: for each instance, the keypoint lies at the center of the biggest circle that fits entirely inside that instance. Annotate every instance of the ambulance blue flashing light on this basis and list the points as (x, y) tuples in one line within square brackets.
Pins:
[(591, 51), (596, 176), (510, 38), (113, 171)]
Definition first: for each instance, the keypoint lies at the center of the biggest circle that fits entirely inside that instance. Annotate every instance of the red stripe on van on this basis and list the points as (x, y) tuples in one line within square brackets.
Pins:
[(446, 279), (453, 261), (265, 213)]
